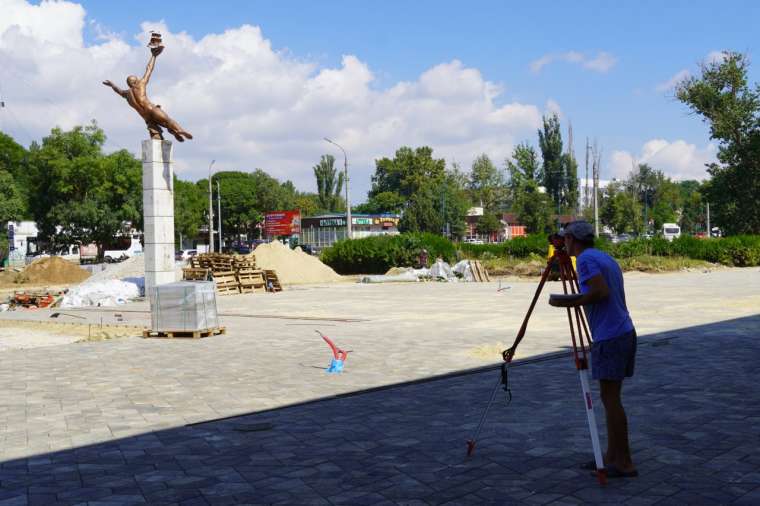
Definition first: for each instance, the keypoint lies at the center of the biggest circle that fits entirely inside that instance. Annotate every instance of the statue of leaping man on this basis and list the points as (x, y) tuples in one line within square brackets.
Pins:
[(137, 97)]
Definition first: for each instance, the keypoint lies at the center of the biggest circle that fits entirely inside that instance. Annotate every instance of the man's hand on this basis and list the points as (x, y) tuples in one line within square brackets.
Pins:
[(155, 51), (108, 83), (597, 291)]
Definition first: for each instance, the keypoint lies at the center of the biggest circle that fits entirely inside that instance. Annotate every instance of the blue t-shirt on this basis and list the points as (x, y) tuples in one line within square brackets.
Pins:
[(609, 317)]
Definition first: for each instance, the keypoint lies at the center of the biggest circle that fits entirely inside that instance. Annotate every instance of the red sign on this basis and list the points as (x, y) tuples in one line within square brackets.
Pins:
[(282, 223)]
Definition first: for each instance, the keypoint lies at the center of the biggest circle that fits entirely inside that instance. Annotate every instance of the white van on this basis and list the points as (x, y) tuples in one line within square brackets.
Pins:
[(671, 231)]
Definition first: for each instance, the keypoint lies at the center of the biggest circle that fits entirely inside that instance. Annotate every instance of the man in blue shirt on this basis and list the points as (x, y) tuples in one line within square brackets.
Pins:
[(613, 352)]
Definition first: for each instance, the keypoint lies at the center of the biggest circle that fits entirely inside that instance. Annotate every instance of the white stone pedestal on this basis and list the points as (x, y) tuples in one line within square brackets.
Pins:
[(158, 213)]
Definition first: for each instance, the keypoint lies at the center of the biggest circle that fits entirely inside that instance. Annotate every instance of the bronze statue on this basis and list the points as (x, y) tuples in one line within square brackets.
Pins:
[(137, 97)]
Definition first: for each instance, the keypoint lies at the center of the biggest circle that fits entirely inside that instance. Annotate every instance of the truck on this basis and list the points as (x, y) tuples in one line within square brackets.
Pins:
[(88, 253), (133, 248), (671, 231)]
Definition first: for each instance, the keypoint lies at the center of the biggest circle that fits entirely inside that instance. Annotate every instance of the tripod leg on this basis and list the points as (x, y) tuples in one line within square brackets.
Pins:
[(601, 473), (471, 442)]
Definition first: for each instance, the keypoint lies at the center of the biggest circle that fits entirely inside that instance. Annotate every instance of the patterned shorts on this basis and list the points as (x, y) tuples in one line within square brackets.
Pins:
[(614, 359)]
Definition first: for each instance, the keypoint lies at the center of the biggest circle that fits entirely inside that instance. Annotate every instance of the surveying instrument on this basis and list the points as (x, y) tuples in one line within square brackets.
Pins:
[(581, 347)]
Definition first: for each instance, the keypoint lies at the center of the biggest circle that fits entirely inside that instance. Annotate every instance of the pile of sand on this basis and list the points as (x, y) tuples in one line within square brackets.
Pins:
[(47, 271), (293, 266)]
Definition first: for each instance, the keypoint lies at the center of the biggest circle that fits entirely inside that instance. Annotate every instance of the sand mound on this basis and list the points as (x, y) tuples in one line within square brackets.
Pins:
[(293, 266), (51, 271)]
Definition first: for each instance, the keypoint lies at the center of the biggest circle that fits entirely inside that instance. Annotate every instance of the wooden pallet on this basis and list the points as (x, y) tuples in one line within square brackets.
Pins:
[(226, 282), (250, 280), (193, 334), (196, 274), (479, 272), (273, 282)]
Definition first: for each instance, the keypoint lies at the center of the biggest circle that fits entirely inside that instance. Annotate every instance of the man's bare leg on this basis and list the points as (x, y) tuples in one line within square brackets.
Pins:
[(618, 449)]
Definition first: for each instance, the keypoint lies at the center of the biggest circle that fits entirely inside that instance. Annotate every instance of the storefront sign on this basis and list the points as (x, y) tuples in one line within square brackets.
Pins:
[(386, 221), (332, 222), (282, 223), (361, 221)]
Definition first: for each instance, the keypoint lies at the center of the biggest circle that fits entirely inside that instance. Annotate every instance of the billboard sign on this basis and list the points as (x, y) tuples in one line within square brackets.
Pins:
[(282, 223)]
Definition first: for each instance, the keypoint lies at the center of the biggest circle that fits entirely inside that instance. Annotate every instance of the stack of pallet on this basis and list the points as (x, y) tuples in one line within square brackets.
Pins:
[(231, 273), (479, 272)]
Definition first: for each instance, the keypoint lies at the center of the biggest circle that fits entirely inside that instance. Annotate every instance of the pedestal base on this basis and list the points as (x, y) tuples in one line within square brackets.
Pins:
[(158, 213)]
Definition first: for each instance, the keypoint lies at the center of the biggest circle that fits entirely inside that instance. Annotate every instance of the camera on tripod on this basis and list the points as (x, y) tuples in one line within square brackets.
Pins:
[(557, 241)]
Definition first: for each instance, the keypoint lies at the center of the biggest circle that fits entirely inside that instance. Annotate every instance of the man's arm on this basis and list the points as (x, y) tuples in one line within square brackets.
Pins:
[(155, 51), (115, 88), (598, 290)]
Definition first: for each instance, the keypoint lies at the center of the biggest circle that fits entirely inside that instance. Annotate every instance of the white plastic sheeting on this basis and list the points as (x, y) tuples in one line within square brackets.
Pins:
[(110, 292), (441, 269), (464, 269)]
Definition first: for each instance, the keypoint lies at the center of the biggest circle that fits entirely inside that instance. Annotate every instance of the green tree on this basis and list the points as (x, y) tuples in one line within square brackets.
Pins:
[(560, 170), (724, 99), (619, 209), (385, 202), (12, 204), (328, 185), (488, 224), (533, 207), (433, 198), (486, 185), (81, 195), (190, 209)]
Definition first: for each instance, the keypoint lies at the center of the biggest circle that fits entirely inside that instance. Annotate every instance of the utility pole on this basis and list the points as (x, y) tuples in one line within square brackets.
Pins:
[(585, 191), (348, 201), (219, 214), (210, 211), (709, 230), (597, 162)]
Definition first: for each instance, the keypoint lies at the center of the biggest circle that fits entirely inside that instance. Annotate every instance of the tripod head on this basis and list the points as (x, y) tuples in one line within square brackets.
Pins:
[(557, 241)]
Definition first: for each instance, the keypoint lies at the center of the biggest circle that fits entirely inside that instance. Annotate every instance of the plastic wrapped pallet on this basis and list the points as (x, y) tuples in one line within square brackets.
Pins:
[(183, 306)]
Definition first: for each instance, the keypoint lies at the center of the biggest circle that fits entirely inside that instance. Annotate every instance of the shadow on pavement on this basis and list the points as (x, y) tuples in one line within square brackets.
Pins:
[(693, 412)]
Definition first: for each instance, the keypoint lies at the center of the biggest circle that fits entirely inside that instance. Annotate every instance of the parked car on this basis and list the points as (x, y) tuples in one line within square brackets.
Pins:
[(306, 248), (242, 250), (624, 237), (185, 254)]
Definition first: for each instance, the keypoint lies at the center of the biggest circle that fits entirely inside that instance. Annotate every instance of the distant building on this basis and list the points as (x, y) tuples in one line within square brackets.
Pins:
[(322, 231)]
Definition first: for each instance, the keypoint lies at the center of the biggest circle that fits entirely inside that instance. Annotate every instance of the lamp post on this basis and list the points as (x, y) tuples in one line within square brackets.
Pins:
[(210, 211), (348, 202), (219, 214)]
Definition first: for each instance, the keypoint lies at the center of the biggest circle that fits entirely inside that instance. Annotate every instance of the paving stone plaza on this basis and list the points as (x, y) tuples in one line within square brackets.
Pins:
[(252, 418)]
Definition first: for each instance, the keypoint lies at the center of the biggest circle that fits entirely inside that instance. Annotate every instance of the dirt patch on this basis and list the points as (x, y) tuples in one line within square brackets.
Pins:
[(20, 335), (488, 351), (293, 266), (46, 271)]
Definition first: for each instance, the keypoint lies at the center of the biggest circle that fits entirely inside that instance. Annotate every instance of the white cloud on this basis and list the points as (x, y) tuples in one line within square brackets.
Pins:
[(677, 159), (247, 104), (671, 83), (602, 62), (715, 57)]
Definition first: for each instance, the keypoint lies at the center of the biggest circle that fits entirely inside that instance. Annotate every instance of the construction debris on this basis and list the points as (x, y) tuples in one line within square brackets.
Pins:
[(472, 271)]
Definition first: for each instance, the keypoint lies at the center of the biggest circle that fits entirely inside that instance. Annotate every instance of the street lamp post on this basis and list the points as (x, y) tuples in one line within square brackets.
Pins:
[(348, 202), (210, 211), (219, 214)]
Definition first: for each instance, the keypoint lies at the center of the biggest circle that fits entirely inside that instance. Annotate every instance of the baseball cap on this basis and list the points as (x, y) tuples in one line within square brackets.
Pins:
[(579, 229)]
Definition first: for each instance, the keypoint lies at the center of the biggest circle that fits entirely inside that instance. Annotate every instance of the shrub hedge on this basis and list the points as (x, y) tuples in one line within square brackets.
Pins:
[(375, 255)]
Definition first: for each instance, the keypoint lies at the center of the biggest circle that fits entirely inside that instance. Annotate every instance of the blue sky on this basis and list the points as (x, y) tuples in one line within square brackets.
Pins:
[(652, 41), (605, 68)]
